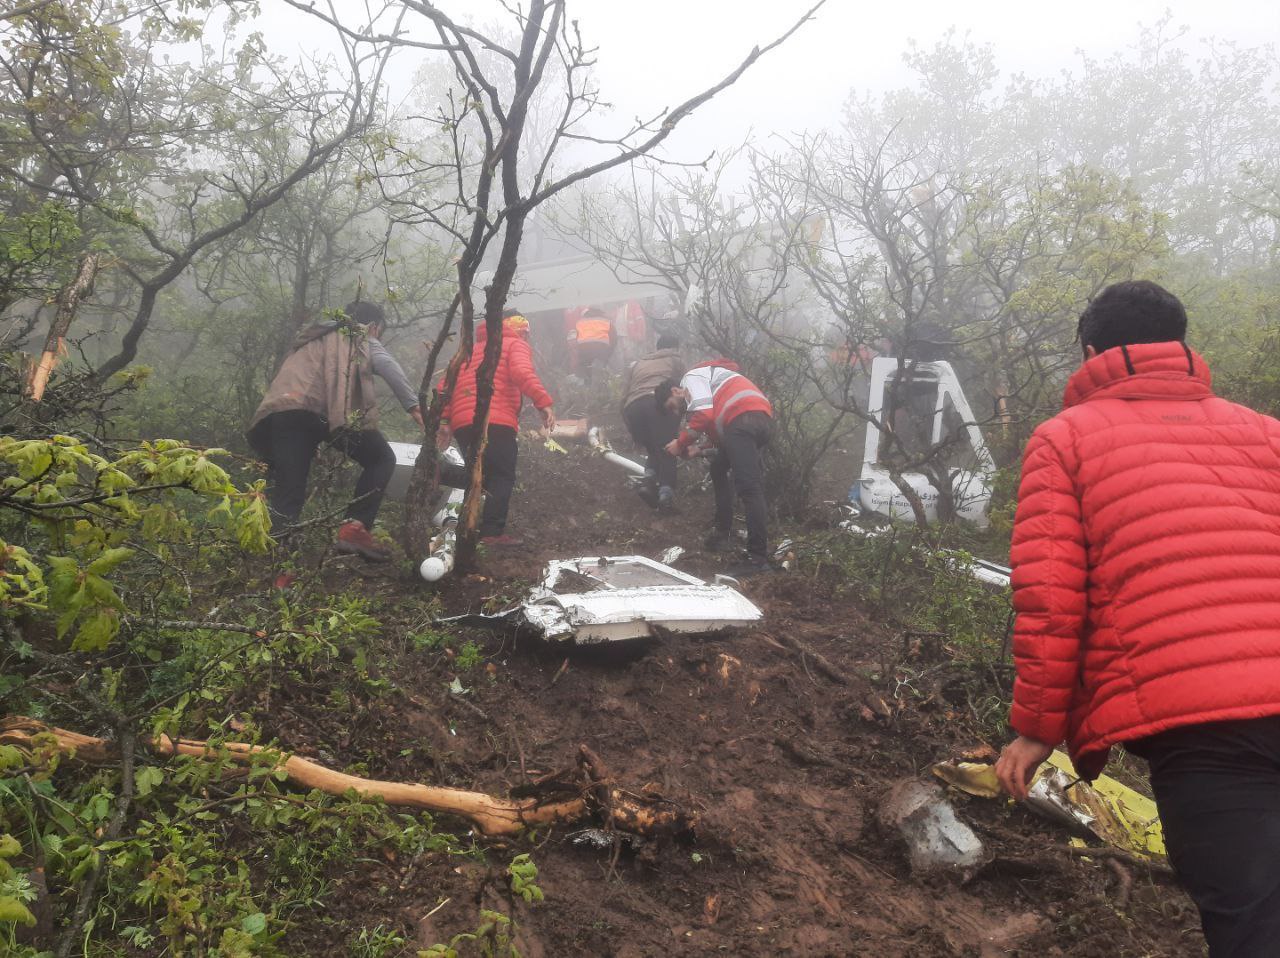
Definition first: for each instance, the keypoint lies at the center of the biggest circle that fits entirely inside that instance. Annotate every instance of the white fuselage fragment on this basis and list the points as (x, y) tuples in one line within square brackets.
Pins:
[(594, 599), (944, 417)]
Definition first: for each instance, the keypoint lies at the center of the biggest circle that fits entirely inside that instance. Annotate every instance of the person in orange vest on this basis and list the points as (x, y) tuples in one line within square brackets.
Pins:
[(593, 337), (736, 420)]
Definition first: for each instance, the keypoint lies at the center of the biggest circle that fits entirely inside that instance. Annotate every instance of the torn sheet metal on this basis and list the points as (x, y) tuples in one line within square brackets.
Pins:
[(1117, 814), (1104, 810), (406, 457), (972, 778), (596, 599), (989, 573), (671, 555)]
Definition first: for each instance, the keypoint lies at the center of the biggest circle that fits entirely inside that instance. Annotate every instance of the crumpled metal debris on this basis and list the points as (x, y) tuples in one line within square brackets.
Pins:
[(936, 839), (598, 838), (1105, 809), (671, 555), (596, 599), (973, 778)]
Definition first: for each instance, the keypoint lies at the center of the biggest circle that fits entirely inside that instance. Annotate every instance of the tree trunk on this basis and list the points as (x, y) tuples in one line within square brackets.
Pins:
[(69, 299), (622, 809)]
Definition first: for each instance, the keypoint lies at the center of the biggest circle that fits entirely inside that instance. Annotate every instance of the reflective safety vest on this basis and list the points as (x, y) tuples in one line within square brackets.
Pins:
[(718, 396), (593, 330)]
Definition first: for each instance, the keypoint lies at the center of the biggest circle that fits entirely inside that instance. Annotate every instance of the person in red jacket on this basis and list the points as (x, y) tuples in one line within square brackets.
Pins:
[(513, 379), (736, 419), (1146, 578)]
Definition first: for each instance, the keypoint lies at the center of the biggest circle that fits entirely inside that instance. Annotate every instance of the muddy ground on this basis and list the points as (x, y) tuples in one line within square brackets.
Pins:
[(777, 736)]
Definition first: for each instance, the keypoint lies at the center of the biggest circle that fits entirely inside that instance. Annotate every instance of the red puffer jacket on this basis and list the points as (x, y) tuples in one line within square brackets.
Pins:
[(514, 378), (1146, 557)]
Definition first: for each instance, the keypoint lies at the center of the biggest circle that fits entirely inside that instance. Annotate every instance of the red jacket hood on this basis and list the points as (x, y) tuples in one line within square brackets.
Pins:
[(1142, 371)]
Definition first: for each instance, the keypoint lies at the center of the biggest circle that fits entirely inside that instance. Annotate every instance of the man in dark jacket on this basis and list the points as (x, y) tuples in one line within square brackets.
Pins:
[(650, 423), (323, 392), (1146, 581)]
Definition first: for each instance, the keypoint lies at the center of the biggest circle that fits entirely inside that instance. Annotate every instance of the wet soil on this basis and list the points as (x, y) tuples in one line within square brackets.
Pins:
[(783, 738)]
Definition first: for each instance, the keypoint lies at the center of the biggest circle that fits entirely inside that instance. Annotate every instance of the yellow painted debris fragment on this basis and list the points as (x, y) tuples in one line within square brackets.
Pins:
[(973, 778), (1122, 817), (1113, 812)]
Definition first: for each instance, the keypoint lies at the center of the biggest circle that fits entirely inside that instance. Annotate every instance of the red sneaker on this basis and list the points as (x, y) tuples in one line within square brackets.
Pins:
[(501, 541), (354, 539)]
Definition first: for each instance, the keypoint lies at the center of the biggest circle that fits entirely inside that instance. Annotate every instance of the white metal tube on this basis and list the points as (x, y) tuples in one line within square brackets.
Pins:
[(601, 445)]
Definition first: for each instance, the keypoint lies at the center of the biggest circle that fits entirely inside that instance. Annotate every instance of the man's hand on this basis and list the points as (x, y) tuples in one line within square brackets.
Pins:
[(444, 436), (1018, 763), (548, 418), (416, 413)]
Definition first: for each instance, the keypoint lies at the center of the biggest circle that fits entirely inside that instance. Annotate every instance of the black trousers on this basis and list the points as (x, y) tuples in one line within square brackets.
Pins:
[(499, 473), (741, 446), (652, 427), (591, 354), (289, 440), (1217, 786)]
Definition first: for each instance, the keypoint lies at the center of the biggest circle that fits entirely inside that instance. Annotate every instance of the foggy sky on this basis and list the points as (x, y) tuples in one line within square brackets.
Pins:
[(655, 53)]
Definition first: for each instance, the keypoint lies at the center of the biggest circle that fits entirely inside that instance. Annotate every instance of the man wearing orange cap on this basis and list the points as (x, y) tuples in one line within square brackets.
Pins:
[(513, 379)]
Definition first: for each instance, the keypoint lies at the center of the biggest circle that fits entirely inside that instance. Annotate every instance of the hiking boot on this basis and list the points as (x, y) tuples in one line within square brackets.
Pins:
[(649, 495), (666, 499), (354, 539), (501, 541), (718, 542)]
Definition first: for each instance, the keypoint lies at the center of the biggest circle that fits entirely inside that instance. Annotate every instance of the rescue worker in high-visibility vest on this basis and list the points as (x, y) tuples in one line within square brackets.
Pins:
[(593, 337), (736, 420)]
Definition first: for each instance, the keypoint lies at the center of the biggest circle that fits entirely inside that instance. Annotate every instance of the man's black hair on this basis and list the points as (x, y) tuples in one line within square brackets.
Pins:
[(662, 391), (668, 341), (365, 313), (508, 313), (1134, 311)]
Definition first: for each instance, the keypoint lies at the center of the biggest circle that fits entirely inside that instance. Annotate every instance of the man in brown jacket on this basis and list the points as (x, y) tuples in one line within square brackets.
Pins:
[(651, 425), (324, 393)]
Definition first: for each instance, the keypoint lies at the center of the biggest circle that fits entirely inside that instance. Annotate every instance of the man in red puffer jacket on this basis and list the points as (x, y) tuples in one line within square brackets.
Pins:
[(1146, 577), (513, 379)]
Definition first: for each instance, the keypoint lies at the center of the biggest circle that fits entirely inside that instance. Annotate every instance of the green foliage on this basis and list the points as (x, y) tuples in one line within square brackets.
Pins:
[(524, 875), (493, 938), (34, 249), (89, 508), (376, 942), (174, 863), (469, 656), (15, 891)]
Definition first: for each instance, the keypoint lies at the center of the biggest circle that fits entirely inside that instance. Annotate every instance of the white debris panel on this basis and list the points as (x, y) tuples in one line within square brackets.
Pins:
[(596, 599)]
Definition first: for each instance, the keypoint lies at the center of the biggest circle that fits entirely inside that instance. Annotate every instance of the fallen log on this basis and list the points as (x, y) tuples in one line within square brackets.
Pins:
[(491, 815)]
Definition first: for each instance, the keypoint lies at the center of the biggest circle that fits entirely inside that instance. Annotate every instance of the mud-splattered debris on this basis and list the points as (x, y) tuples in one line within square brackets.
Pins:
[(936, 839)]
